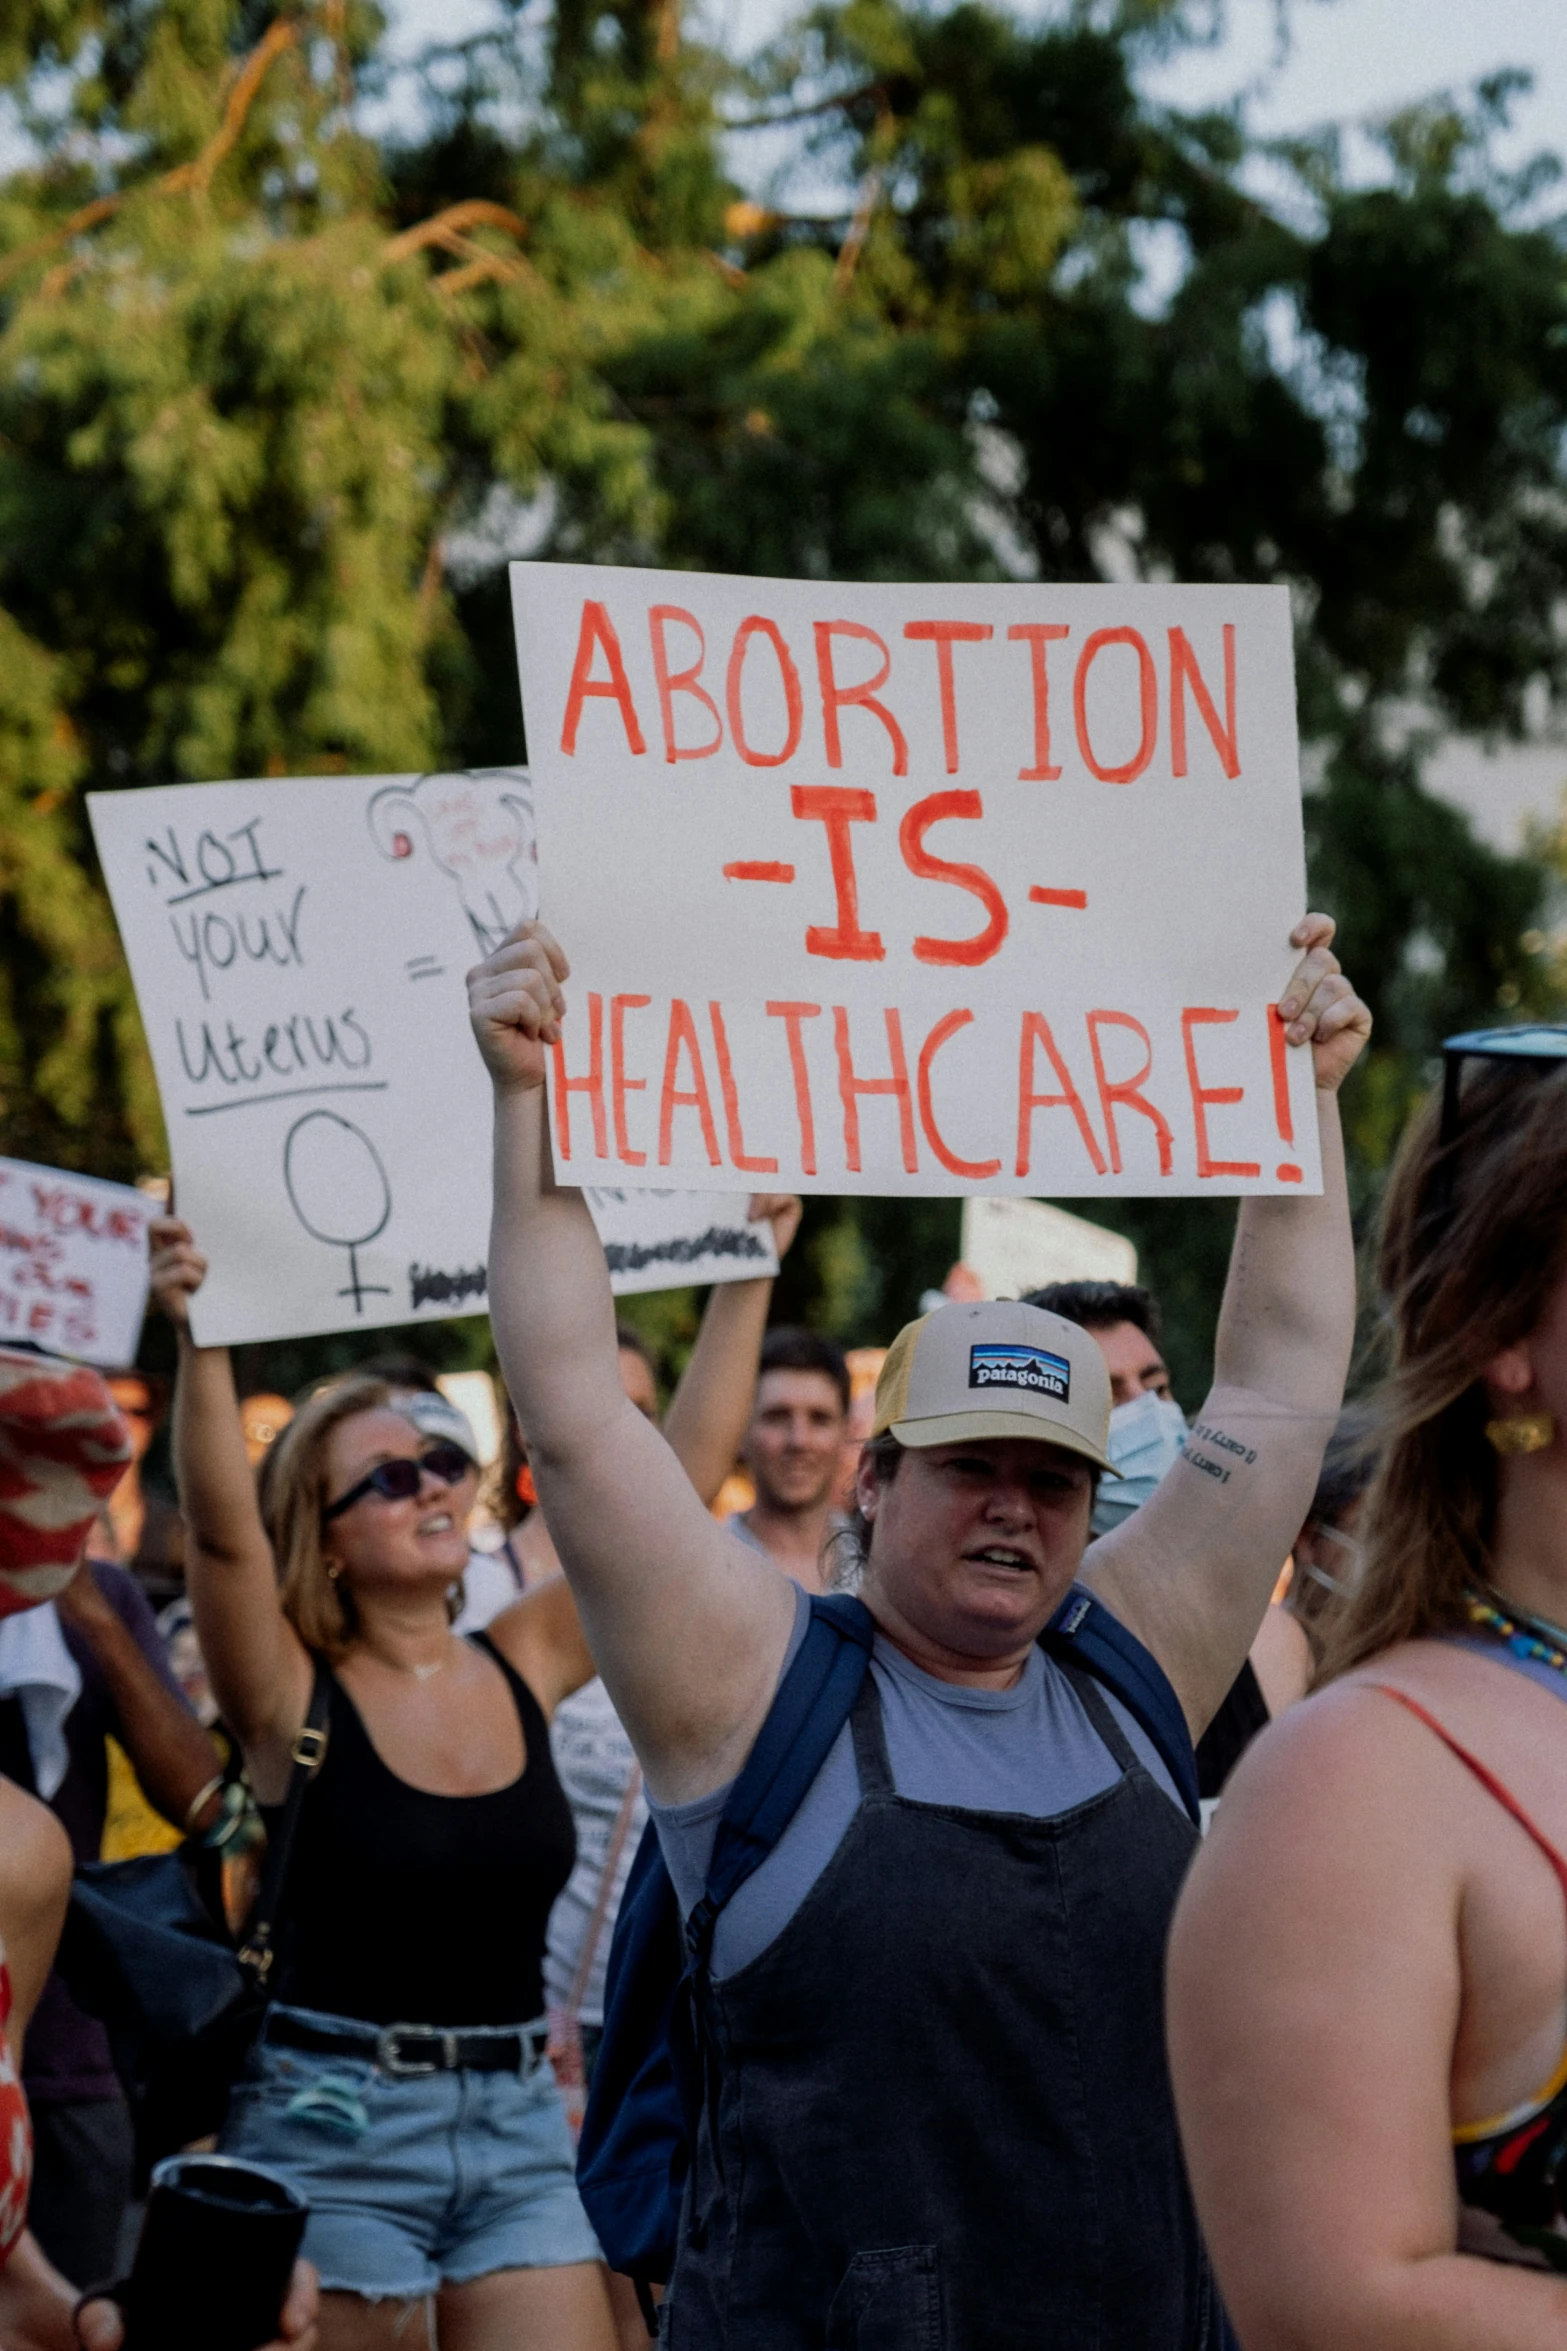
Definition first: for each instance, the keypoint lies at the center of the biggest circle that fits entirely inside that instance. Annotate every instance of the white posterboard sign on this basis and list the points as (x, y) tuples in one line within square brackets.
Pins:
[(73, 1262), (1019, 1245), (665, 1240), (919, 889), (298, 947)]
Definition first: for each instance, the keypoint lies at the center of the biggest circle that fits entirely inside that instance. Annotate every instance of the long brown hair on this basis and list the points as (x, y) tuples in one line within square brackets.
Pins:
[(293, 1494), (1474, 1239)]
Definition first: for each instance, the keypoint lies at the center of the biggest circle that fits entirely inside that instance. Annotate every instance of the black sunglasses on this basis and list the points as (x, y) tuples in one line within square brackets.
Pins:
[(1539, 1041), (397, 1481)]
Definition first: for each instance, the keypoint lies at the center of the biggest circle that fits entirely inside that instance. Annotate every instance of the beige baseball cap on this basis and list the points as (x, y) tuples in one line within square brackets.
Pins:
[(1000, 1369)]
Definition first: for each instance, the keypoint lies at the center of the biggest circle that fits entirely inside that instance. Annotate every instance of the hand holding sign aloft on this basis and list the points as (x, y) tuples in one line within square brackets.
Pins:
[(1320, 1004), (783, 1211), (517, 1007), (178, 1269)]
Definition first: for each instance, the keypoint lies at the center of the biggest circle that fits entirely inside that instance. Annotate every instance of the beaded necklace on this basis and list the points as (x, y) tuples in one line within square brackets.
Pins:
[(1525, 1635)]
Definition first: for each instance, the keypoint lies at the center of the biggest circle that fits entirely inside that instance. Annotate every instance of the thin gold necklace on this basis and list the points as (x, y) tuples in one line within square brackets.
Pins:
[(419, 1673)]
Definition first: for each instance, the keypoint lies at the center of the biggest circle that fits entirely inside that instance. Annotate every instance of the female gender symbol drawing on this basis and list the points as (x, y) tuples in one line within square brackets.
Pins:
[(337, 1188)]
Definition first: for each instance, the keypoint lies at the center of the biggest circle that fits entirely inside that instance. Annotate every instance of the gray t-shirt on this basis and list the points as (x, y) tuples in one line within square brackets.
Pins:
[(1029, 1750)]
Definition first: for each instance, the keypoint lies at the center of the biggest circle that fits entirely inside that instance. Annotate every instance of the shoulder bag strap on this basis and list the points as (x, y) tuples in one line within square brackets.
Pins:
[(1090, 1635), (309, 1753), (812, 1705)]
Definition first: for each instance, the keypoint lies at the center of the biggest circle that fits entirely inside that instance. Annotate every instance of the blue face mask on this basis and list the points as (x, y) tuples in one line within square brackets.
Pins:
[(1145, 1438)]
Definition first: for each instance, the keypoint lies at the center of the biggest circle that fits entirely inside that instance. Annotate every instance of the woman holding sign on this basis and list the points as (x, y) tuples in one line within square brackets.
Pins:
[(1369, 1967), (401, 2081), (936, 2109)]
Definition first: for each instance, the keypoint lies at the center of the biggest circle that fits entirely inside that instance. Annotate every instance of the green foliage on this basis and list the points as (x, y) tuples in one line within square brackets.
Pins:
[(277, 400)]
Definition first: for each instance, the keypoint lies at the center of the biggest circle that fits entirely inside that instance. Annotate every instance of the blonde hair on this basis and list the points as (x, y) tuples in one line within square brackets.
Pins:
[(293, 1494), (1474, 1239)]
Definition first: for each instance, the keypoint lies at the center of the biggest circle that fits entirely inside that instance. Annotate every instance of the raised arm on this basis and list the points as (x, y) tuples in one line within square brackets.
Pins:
[(1192, 1571), (689, 1632), (708, 1416), (259, 1670), (173, 1758)]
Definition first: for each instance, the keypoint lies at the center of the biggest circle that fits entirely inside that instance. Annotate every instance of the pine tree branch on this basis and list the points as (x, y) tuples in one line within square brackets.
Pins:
[(443, 227), (75, 225), (196, 176), (844, 98)]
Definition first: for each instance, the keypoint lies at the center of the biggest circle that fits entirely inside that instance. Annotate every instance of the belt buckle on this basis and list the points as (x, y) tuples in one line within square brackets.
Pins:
[(389, 2058)]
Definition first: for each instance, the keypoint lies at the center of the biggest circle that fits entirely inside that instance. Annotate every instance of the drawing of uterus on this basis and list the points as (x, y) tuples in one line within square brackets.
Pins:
[(479, 830)]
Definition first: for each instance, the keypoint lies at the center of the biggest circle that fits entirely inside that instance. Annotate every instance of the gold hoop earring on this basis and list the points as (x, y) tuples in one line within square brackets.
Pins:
[(333, 1571), (1521, 1432)]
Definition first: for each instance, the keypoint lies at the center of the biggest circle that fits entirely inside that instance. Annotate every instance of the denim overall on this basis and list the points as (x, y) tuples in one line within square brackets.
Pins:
[(937, 2114)]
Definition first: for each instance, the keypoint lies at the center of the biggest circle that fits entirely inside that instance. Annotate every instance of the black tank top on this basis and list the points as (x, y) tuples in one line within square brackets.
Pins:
[(407, 1908), (1242, 1714)]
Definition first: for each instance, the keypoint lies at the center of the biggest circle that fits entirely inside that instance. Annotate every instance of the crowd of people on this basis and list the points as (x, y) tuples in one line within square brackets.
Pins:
[(1056, 2003)]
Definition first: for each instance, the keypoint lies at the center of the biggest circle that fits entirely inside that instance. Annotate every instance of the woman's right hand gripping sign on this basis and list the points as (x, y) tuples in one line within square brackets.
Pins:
[(516, 1006)]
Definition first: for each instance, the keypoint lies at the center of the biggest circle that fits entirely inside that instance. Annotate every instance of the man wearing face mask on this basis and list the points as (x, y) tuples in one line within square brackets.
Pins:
[(1147, 1426), (1147, 1432)]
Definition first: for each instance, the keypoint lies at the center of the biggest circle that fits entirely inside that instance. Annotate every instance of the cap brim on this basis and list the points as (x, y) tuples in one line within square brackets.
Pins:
[(953, 1428)]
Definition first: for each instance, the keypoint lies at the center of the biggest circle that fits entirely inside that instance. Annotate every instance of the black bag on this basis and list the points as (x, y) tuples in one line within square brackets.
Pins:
[(147, 1950)]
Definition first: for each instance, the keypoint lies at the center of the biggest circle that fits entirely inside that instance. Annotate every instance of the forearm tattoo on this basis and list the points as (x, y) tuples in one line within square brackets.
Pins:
[(1237, 1455)]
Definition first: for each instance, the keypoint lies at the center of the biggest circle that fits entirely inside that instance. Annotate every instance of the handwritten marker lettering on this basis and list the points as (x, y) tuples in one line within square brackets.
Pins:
[(214, 862), (73, 1261), (1289, 1171)]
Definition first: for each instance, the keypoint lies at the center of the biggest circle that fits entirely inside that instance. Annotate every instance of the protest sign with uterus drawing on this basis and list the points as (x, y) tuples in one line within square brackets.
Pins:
[(298, 947)]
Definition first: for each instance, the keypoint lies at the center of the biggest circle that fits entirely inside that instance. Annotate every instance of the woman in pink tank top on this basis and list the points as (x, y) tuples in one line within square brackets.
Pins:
[(1368, 1972)]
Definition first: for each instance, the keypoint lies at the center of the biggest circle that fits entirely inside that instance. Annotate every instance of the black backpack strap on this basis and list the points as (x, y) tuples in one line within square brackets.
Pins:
[(1084, 1632), (256, 1953), (812, 1705)]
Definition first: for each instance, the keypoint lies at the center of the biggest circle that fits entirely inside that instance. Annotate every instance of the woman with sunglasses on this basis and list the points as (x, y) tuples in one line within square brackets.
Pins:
[(1368, 1970), (401, 2079)]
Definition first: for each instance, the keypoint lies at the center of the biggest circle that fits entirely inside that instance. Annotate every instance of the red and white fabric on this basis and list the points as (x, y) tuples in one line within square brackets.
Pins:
[(63, 1449)]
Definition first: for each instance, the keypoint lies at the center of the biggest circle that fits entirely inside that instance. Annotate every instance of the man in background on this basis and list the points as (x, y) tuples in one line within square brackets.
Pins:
[(1124, 1318), (1147, 1431), (1147, 1426), (793, 1449)]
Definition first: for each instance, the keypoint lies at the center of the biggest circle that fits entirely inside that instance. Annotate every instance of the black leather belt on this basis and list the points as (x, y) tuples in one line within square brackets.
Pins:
[(404, 2049)]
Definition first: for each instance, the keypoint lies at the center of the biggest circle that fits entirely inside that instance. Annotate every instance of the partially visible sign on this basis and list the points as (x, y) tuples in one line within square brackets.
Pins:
[(665, 1240), (1018, 1245), (73, 1262)]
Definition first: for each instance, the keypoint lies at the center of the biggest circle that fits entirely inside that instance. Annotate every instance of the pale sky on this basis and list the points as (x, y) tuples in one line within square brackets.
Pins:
[(1349, 62), (1347, 59)]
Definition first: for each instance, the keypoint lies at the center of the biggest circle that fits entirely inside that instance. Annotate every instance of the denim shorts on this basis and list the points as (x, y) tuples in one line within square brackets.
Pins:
[(413, 2181)]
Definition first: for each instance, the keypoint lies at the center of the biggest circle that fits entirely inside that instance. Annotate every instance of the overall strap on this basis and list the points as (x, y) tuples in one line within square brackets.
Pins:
[(810, 1709), (256, 1953), (871, 1760), (1487, 1778)]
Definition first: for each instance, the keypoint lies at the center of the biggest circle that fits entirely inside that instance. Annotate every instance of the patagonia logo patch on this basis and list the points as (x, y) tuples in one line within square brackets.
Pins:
[(1034, 1368)]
